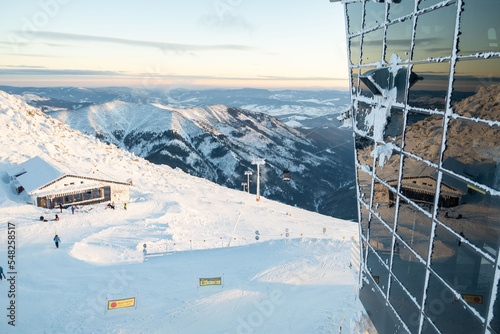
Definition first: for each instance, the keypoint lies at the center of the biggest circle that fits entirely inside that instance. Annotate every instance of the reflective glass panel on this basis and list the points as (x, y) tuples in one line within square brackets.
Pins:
[(428, 3), (354, 76), (388, 169), (381, 239), (472, 150), (414, 228), (423, 135), (394, 129), (378, 271), (398, 40), (406, 309), (374, 14), (495, 322), (448, 315), (354, 14), (471, 211), (354, 48), (409, 270), (372, 46), (364, 146), (362, 87), (400, 9), (418, 183), (479, 27), (430, 90), (382, 204), (435, 33), (428, 328), (476, 88), (365, 215), (463, 269), (363, 118)]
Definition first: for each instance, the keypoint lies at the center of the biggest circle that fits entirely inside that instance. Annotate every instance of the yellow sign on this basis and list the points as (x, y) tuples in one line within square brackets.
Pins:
[(473, 299), (113, 304), (210, 281)]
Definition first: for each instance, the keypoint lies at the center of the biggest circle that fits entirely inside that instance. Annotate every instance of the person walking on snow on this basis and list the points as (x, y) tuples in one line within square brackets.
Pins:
[(73, 209), (1, 273), (57, 241), (125, 206), (60, 206)]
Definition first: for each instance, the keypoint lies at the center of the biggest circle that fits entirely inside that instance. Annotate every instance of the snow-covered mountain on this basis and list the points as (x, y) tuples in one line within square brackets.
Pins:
[(300, 282), (220, 143)]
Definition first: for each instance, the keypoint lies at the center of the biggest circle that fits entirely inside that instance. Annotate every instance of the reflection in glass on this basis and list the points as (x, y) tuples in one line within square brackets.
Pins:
[(409, 270), (364, 146), (371, 50), (479, 27), (470, 211), (381, 204), (476, 88), (354, 76), (398, 40), (374, 14), (428, 328), (363, 89), (472, 150), (434, 33), (430, 91), (363, 114), (354, 14), (463, 269), (428, 3), (423, 135), (389, 171), (400, 9), (419, 183), (394, 128), (378, 271), (406, 309), (354, 48), (414, 228), (495, 322), (381, 239), (448, 315)]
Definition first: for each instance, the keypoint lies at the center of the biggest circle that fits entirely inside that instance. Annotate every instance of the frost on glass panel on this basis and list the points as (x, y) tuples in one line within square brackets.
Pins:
[(401, 8), (430, 91), (428, 3), (378, 271), (448, 315), (371, 49), (423, 135), (479, 27), (435, 33), (354, 15), (354, 48), (389, 169), (382, 204), (363, 148), (380, 239), (476, 88), (465, 270), (398, 40), (374, 14), (414, 228), (394, 129), (418, 183), (406, 309), (363, 89), (473, 150), (363, 114), (470, 211)]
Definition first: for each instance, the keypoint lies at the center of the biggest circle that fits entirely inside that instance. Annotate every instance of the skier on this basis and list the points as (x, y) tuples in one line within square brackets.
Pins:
[(73, 209), (1, 273), (125, 206), (57, 241), (60, 206)]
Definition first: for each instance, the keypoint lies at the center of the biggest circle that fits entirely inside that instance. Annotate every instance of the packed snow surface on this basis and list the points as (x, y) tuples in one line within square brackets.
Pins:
[(295, 279)]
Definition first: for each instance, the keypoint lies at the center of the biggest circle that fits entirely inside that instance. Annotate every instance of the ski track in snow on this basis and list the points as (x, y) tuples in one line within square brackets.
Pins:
[(278, 284)]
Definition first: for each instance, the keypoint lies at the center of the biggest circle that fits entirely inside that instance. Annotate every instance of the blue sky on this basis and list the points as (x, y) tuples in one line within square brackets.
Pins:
[(188, 43)]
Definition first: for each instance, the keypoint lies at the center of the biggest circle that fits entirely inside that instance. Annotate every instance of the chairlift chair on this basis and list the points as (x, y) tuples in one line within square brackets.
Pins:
[(286, 175)]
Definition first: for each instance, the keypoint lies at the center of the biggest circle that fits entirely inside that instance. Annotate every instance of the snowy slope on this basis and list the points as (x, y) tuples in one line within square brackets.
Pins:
[(296, 284)]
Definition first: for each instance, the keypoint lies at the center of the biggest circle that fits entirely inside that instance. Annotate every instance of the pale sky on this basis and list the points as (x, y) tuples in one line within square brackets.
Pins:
[(176, 43)]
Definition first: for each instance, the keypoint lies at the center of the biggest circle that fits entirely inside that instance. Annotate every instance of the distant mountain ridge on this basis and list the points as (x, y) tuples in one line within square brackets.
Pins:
[(218, 142)]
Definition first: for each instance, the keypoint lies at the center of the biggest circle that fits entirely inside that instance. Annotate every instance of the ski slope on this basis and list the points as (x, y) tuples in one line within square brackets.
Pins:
[(300, 283)]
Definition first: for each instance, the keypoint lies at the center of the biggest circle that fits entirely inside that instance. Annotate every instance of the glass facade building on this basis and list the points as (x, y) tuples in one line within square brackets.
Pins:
[(425, 90)]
